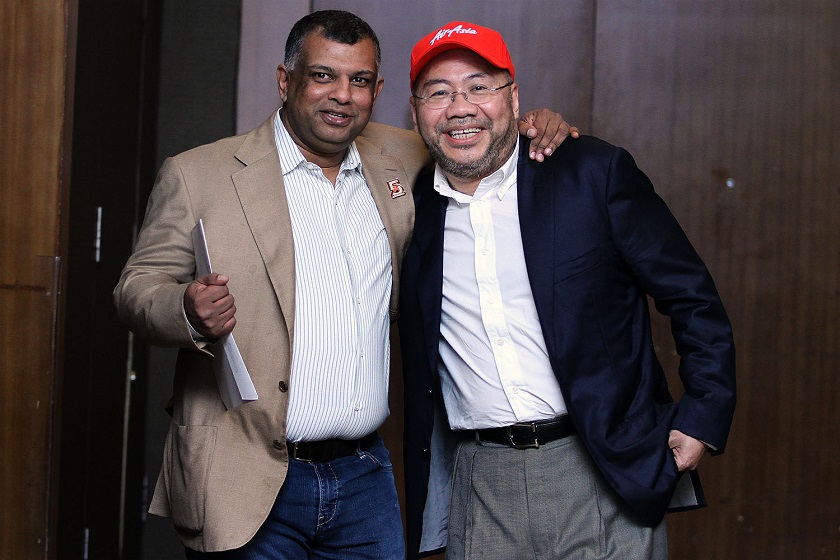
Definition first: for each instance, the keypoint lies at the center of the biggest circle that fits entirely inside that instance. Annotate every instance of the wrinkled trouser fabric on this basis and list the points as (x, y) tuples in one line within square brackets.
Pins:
[(548, 503)]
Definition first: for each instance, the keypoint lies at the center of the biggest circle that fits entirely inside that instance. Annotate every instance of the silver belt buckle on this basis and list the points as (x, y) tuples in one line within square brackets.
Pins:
[(295, 454), (530, 445)]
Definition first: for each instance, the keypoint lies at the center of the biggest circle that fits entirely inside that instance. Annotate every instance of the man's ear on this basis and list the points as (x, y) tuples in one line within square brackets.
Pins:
[(413, 103), (514, 100), (377, 88), (283, 82)]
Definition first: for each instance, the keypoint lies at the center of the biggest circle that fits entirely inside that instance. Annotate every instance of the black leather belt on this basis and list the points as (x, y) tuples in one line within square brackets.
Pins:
[(524, 435), (328, 449)]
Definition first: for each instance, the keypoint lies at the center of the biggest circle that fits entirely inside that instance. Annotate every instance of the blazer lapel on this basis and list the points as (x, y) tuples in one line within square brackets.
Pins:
[(428, 238), (536, 222), (261, 192)]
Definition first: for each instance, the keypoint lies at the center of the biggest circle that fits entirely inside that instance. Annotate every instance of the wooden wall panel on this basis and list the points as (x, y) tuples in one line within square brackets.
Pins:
[(732, 109), (33, 52)]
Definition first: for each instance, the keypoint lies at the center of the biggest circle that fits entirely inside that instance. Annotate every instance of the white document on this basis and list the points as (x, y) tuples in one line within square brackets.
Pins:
[(235, 385), (688, 493)]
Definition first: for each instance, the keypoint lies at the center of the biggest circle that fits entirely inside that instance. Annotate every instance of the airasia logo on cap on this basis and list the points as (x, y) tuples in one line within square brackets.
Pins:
[(443, 33)]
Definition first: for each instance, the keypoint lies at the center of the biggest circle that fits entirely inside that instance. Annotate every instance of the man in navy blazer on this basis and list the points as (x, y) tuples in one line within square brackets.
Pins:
[(534, 400)]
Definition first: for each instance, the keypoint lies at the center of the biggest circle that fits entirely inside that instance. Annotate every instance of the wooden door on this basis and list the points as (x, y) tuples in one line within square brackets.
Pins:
[(35, 45)]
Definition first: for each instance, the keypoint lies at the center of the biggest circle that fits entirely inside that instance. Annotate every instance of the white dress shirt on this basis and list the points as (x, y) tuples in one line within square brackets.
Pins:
[(341, 350), (494, 364)]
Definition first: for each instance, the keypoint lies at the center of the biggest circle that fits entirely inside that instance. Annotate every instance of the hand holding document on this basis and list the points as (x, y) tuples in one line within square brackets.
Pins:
[(235, 385)]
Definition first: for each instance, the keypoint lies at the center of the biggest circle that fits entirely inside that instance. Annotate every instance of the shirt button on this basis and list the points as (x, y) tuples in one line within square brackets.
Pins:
[(500, 341), (283, 386)]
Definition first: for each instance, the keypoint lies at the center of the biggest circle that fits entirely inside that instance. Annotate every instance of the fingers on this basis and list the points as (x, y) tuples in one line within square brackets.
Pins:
[(547, 130), (541, 129), (216, 316), (526, 126), (212, 279), (541, 145), (209, 305), (687, 450)]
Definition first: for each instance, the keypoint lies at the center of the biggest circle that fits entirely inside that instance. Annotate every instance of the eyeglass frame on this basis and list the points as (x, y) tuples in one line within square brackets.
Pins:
[(465, 93)]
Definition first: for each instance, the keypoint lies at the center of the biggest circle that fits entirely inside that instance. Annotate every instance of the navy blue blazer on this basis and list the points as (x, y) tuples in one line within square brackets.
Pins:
[(597, 241)]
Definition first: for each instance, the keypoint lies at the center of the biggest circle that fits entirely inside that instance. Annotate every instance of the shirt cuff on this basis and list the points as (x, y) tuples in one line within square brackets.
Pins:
[(200, 340)]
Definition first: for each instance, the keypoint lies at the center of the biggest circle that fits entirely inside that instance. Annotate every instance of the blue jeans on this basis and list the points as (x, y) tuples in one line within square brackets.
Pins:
[(337, 510)]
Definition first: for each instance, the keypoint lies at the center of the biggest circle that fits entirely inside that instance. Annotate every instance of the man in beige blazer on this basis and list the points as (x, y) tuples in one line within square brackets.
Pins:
[(223, 469)]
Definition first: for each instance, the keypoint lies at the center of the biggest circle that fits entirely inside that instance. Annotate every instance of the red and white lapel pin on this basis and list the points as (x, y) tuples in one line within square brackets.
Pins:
[(396, 188)]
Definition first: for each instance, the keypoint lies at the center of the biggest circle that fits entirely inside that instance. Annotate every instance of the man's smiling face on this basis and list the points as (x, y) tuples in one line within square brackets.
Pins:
[(468, 141), (329, 95)]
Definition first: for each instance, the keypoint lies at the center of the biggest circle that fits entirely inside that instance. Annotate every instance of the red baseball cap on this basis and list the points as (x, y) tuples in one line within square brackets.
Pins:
[(483, 41)]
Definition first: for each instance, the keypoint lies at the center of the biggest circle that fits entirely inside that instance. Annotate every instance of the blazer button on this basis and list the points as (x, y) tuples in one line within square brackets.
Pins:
[(278, 444), (284, 386), (426, 452)]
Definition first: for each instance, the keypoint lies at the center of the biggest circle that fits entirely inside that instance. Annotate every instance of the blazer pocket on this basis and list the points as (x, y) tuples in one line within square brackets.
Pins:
[(187, 457), (653, 421), (578, 265)]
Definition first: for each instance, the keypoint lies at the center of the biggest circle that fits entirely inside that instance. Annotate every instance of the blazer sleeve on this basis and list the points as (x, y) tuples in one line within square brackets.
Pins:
[(150, 292), (669, 269)]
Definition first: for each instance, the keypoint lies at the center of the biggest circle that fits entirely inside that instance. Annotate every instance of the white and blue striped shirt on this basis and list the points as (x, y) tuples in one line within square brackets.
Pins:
[(341, 350)]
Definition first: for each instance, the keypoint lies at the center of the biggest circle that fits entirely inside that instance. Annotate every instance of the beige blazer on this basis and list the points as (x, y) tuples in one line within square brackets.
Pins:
[(222, 469)]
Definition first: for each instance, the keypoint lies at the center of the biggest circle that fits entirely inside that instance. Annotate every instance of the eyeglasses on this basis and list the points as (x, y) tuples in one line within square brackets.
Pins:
[(477, 95)]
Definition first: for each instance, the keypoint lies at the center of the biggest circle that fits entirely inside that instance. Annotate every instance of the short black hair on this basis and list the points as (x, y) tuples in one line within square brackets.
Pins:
[(335, 25)]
